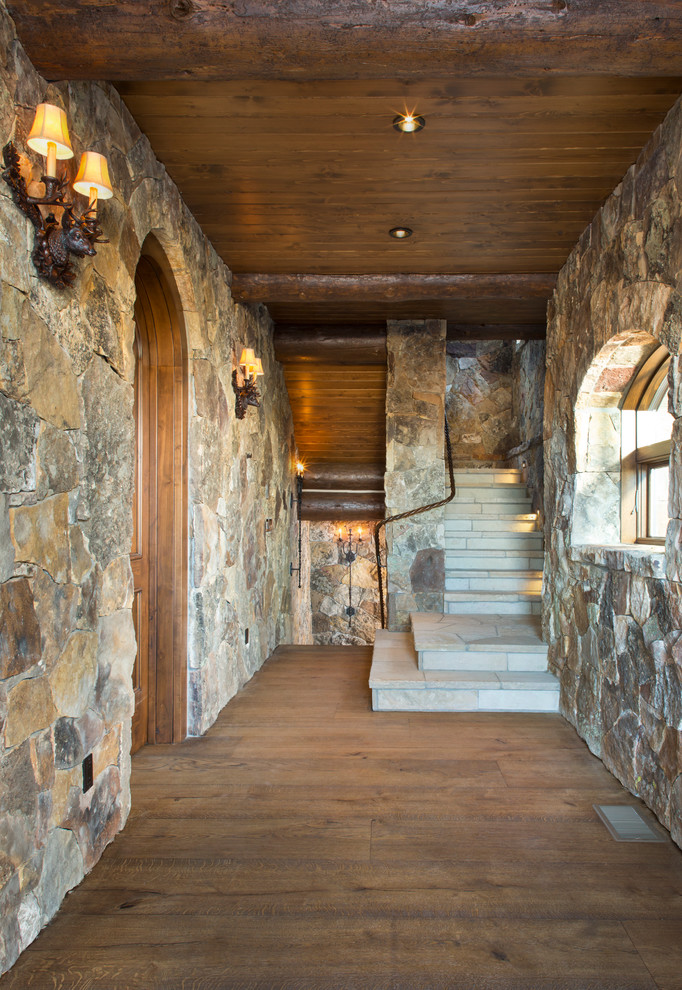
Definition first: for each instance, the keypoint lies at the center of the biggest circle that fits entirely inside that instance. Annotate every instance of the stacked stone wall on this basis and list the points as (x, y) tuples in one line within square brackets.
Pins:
[(613, 615), (480, 384), (329, 577), (67, 641), (415, 468)]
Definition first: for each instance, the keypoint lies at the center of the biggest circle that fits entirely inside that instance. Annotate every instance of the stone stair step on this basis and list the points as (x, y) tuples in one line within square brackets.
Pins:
[(503, 524), (515, 604), (494, 541), (491, 493), (493, 581), (495, 510), (479, 477), (397, 684), (494, 561), (471, 633), (481, 660)]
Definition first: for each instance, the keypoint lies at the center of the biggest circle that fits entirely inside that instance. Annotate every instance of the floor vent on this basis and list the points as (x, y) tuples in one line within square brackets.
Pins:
[(626, 824)]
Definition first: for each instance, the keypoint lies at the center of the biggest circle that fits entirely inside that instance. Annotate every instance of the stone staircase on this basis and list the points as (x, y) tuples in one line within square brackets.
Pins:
[(486, 652)]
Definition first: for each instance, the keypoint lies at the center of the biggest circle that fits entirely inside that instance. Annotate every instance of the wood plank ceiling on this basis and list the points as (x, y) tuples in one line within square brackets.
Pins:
[(275, 120), (289, 178)]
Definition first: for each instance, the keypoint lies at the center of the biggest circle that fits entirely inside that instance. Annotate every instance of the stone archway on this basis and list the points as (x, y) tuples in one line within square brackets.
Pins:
[(596, 517)]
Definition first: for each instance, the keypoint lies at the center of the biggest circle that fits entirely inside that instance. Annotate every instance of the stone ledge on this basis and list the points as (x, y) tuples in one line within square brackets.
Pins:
[(635, 559)]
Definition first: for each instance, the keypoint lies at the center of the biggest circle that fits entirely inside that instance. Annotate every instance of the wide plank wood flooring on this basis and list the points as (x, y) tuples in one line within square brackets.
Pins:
[(309, 843)]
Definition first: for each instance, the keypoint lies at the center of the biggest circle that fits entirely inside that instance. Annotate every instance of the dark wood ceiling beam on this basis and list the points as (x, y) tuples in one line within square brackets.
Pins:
[(254, 288), (316, 506), (332, 344), (344, 477), (496, 331), (209, 39)]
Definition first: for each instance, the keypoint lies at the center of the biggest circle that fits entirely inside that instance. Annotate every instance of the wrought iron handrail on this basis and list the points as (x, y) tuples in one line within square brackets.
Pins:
[(406, 515)]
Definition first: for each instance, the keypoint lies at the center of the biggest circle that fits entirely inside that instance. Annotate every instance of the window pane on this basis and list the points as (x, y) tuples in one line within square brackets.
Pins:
[(653, 426), (657, 522)]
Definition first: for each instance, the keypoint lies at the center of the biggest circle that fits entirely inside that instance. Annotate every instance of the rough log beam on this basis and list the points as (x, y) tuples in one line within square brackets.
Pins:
[(317, 506), (331, 343), (253, 288), (319, 39), (344, 477), (497, 331)]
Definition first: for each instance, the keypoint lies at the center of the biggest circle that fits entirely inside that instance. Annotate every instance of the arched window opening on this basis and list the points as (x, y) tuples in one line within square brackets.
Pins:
[(622, 445), (646, 439)]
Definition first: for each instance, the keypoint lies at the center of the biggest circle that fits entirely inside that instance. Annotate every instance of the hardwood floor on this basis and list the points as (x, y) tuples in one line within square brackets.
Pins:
[(308, 843)]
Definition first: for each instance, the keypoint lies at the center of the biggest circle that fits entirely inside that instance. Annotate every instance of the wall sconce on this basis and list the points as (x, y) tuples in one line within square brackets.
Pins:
[(55, 240), (244, 382), (348, 554), (300, 468)]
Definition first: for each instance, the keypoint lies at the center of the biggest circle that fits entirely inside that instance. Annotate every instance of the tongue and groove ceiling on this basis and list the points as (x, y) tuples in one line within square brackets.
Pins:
[(274, 118)]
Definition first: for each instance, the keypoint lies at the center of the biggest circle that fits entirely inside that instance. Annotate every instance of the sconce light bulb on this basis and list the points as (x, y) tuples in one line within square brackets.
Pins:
[(51, 163)]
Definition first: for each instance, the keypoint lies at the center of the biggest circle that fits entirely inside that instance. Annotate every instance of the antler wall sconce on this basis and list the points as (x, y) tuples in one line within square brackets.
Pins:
[(244, 382), (56, 239)]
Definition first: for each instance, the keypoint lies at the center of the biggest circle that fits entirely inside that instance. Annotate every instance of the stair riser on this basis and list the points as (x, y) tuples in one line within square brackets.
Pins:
[(466, 510), (477, 542), (499, 608), (487, 564), (466, 660), (427, 700), (500, 493), (467, 480), (493, 584), (482, 526)]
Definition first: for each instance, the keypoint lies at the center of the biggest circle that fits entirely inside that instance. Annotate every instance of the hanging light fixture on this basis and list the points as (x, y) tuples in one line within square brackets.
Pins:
[(348, 554), (55, 240), (300, 469)]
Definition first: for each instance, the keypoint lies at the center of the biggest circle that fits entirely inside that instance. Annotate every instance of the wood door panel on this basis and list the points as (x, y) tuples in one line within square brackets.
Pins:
[(140, 556), (159, 547)]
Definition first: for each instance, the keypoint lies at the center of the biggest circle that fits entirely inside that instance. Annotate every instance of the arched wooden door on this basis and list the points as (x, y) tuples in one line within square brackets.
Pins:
[(159, 551)]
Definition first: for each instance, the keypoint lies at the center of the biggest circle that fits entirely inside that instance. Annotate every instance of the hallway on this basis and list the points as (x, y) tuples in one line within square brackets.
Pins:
[(307, 842)]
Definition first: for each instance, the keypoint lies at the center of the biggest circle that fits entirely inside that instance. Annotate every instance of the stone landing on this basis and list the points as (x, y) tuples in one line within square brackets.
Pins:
[(469, 663)]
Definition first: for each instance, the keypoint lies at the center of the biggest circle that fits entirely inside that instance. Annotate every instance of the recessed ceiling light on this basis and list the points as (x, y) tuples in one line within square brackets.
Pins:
[(400, 233), (408, 123)]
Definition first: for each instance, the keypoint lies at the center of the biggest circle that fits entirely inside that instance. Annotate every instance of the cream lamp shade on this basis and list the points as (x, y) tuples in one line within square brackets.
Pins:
[(259, 367), (247, 360), (93, 174), (50, 127)]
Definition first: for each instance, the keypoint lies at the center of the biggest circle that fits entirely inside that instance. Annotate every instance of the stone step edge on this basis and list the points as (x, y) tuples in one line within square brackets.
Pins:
[(492, 596), (488, 644), (398, 648), (457, 680)]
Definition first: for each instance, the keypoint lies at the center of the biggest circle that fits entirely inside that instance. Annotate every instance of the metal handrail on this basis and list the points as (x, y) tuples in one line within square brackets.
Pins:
[(406, 515)]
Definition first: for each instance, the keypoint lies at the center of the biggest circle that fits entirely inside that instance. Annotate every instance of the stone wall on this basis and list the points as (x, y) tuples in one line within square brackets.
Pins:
[(329, 574), (67, 641), (479, 402), (415, 468), (613, 615)]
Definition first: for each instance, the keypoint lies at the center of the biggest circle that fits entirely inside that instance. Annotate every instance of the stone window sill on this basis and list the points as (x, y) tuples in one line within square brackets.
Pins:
[(646, 561)]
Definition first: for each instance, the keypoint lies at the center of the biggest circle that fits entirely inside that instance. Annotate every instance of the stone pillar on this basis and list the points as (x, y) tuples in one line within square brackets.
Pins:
[(415, 468)]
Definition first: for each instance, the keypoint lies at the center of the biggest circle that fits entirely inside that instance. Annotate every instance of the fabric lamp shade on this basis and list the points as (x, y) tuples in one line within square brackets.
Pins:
[(93, 173), (247, 360), (259, 367), (50, 127)]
